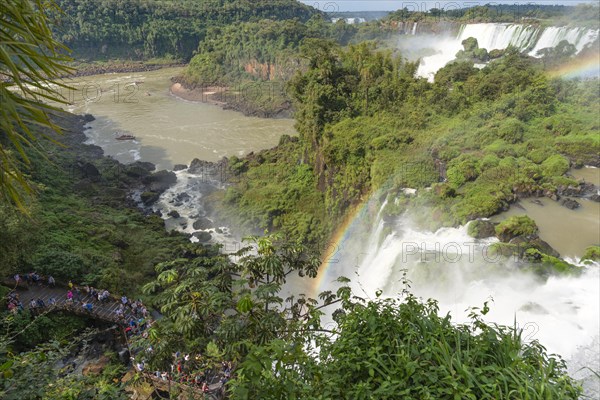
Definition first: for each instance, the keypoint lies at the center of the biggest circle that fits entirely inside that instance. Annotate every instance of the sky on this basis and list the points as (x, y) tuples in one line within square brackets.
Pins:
[(417, 5)]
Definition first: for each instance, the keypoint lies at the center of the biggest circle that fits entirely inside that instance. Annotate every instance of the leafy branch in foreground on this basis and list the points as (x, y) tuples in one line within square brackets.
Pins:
[(31, 61)]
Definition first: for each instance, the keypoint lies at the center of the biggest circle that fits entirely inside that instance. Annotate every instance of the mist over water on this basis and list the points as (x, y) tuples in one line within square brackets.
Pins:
[(497, 36), (563, 313)]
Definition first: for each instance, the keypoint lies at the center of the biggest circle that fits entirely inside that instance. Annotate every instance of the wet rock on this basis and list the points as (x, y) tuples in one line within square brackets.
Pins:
[(148, 166), (595, 197), (522, 243), (182, 196), (149, 198), (480, 229), (202, 236), (173, 213), (552, 196), (202, 223), (179, 167), (160, 181), (583, 189), (198, 166), (543, 247), (535, 308), (219, 230), (88, 118), (139, 169), (538, 202), (570, 204)]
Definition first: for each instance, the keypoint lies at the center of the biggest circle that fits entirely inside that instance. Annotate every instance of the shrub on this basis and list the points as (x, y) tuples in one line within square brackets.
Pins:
[(514, 226), (592, 253), (555, 165)]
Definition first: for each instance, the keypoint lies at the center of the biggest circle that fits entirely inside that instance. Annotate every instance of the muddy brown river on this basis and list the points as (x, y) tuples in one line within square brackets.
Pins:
[(168, 130)]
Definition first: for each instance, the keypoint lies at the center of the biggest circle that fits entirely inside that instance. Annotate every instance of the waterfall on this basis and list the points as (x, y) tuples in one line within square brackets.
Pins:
[(414, 29), (499, 36), (495, 36), (457, 270), (552, 36)]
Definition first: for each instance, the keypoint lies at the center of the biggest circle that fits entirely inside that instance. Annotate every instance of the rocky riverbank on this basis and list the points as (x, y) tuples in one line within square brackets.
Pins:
[(257, 99), (133, 185)]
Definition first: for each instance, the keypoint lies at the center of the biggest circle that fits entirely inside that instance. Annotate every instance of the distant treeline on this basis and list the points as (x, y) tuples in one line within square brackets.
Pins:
[(142, 29), (581, 15)]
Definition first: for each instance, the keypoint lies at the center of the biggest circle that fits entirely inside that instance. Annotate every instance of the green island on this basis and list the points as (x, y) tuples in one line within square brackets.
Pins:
[(459, 149)]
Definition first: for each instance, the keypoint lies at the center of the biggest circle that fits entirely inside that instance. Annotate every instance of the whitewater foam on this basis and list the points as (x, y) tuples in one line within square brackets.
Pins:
[(497, 36)]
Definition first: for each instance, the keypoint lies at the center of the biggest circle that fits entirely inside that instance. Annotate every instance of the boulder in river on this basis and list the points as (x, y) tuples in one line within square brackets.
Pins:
[(149, 198), (570, 204), (524, 243), (202, 223), (202, 236), (518, 225), (182, 196), (173, 213), (480, 229), (160, 181), (179, 167)]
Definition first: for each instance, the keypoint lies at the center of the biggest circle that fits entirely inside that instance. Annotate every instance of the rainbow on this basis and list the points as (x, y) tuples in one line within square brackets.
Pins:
[(332, 254), (581, 67)]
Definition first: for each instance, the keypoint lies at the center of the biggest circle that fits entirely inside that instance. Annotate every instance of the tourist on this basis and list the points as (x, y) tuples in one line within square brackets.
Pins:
[(77, 294), (140, 366), (70, 285), (69, 297), (17, 279), (51, 281), (124, 300), (40, 303), (32, 304), (51, 301)]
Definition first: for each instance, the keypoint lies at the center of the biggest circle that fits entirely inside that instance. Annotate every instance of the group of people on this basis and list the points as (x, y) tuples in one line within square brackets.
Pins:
[(135, 317), (14, 303), (191, 372), (33, 278), (131, 313)]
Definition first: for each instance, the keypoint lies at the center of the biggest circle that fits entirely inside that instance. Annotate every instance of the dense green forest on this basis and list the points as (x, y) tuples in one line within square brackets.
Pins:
[(147, 29), (471, 143)]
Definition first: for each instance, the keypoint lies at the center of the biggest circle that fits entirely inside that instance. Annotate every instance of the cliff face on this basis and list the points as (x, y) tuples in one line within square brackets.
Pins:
[(269, 71)]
